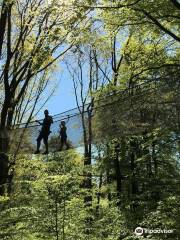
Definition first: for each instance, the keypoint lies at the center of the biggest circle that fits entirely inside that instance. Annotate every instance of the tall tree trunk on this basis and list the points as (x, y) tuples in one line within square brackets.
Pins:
[(133, 180), (134, 183), (117, 171), (154, 158), (108, 179), (3, 172), (3, 22), (4, 145), (87, 171), (87, 160), (99, 194)]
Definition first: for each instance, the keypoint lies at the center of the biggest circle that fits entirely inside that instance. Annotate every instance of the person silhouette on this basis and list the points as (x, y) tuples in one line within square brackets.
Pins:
[(45, 131), (63, 135)]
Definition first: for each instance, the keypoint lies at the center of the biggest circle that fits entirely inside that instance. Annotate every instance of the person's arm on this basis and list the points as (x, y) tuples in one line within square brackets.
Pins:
[(38, 122)]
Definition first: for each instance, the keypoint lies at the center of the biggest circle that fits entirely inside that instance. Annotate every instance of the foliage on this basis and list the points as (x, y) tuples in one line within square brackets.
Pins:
[(123, 57)]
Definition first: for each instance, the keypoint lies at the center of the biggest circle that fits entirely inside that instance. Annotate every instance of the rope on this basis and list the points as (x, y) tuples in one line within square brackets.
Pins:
[(112, 94), (135, 96)]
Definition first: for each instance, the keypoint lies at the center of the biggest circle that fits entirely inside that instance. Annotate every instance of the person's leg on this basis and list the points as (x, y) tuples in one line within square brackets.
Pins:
[(39, 142), (45, 139), (61, 144), (66, 143)]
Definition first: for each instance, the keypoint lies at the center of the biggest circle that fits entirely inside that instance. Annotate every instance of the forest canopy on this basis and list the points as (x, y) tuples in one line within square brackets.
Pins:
[(121, 169)]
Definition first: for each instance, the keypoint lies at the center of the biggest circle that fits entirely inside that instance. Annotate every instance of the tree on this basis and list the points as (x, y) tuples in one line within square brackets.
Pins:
[(36, 38), (159, 16)]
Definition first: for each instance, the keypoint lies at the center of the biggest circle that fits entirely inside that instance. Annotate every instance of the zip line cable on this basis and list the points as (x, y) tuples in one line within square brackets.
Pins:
[(24, 135), (112, 94)]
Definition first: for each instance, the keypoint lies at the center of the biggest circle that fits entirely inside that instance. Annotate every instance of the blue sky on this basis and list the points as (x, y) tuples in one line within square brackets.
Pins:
[(63, 98)]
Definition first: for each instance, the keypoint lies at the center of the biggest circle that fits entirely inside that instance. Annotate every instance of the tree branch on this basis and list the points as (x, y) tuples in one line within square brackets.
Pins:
[(157, 23)]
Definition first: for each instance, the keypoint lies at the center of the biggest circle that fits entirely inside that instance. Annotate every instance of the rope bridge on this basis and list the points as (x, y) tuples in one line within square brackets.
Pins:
[(140, 108)]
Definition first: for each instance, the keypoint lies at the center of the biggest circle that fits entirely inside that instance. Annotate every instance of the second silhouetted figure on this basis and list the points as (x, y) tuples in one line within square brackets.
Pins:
[(63, 135)]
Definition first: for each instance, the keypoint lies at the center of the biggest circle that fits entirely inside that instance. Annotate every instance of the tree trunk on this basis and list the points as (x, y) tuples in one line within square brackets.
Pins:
[(3, 21), (134, 183), (99, 194), (3, 172), (87, 160), (117, 172), (154, 158)]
